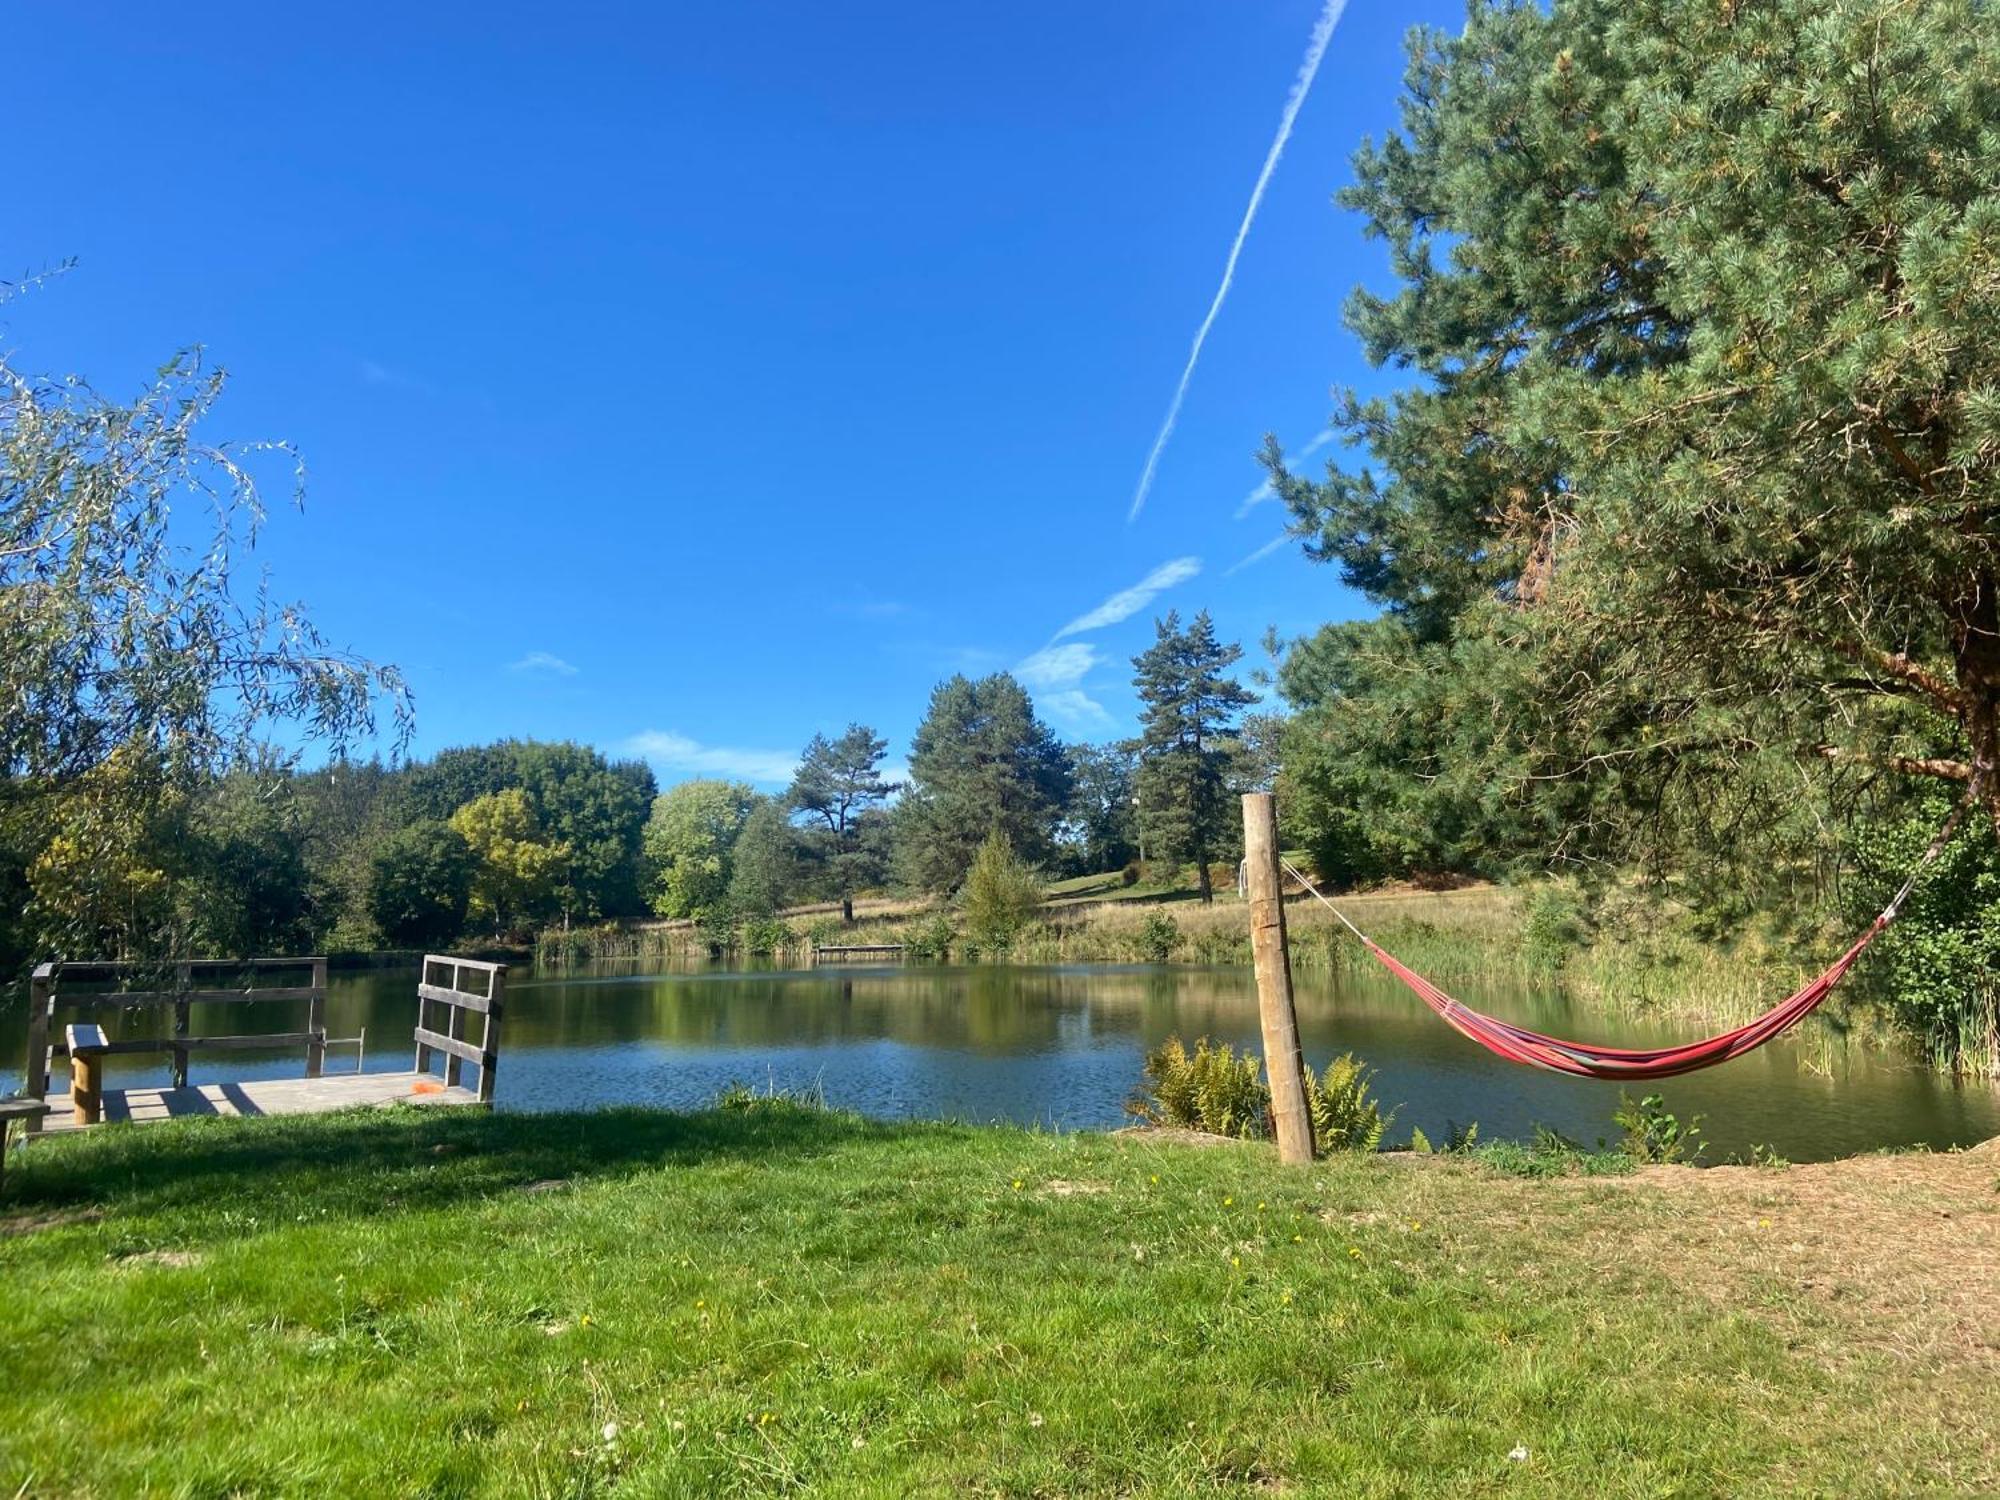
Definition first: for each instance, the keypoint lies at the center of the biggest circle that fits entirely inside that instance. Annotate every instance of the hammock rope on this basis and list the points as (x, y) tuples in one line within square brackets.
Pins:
[(1582, 1060)]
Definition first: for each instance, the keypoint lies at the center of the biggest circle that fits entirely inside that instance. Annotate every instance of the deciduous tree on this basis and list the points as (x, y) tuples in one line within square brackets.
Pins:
[(690, 843)]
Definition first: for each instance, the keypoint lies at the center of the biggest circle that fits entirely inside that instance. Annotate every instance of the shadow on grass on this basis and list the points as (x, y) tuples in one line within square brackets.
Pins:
[(397, 1159)]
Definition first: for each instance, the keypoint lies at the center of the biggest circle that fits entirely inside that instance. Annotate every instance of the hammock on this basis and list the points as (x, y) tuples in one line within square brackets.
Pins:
[(1581, 1060)]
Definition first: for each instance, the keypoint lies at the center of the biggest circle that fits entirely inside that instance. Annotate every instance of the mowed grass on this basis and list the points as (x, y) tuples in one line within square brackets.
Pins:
[(774, 1299)]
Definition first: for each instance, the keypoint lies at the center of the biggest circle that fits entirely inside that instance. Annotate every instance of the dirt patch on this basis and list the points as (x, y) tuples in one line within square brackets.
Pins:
[(1901, 1252), (55, 1218), (174, 1259), (1174, 1135)]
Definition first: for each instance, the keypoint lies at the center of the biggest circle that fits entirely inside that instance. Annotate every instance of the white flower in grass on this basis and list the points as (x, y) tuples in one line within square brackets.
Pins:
[(1519, 1455), (610, 1432)]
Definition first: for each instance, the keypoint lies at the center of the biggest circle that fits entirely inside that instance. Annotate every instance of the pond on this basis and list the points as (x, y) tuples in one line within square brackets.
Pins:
[(1062, 1047)]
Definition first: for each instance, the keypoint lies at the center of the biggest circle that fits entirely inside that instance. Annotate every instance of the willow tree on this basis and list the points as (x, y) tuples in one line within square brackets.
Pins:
[(1705, 302), (130, 637)]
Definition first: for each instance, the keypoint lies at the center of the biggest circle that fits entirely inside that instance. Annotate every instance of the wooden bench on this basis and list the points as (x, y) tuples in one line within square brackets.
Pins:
[(28, 1111), (87, 1047)]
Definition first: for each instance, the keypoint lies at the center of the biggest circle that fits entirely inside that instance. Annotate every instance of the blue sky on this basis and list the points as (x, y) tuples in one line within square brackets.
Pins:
[(687, 379)]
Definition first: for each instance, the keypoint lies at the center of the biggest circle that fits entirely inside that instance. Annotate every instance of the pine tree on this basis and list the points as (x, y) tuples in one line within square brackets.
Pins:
[(1185, 751), (980, 762), (838, 789)]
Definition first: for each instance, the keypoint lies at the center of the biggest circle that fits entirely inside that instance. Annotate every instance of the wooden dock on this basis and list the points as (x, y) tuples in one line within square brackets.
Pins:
[(449, 990), (269, 1096)]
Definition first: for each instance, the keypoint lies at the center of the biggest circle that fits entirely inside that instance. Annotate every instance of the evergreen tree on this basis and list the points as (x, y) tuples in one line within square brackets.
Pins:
[(980, 762), (1185, 749), (838, 789), (1697, 493)]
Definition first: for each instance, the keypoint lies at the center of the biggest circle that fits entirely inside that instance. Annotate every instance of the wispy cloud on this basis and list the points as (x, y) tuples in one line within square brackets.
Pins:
[(1322, 33), (1055, 676), (670, 751), (1057, 666), (1128, 602), (374, 372), (1259, 555), (1073, 710), (543, 661), (1264, 490)]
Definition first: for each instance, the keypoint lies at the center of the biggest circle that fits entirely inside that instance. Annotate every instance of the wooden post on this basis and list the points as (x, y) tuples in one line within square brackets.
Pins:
[(86, 1086), (454, 1027), (183, 982), (316, 1021), (41, 1000), (489, 1037), (1283, 1064), (423, 1063)]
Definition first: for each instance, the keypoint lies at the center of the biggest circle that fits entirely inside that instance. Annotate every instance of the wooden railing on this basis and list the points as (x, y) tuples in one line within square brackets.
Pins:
[(191, 982), (460, 999)]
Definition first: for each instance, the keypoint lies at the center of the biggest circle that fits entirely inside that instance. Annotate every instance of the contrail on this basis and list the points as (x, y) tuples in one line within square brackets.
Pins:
[(1315, 49)]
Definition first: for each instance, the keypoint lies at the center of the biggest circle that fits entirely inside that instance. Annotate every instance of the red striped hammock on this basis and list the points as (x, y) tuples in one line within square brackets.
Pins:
[(1581, 1060)]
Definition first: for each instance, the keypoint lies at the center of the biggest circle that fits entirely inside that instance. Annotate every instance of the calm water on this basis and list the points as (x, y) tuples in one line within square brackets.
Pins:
[(1063, 1046)]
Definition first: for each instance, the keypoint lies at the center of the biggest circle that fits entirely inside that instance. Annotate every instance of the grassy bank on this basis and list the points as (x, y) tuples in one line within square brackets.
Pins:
[(777, 1300)]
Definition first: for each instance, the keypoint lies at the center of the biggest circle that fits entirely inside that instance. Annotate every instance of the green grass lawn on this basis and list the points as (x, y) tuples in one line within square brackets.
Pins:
[(773, 1299)]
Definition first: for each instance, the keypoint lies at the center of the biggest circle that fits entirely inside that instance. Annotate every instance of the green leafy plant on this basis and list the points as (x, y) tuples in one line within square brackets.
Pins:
[(765, 935), (1653, 1133), (1157, 936), (1210, 1089), (1549, 1153), (1002, 894), (933, 938), (1553, 927), (1344, 1115)]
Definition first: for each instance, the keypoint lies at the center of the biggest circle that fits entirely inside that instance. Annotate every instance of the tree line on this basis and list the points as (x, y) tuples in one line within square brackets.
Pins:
[(495, 842), (983, 769)]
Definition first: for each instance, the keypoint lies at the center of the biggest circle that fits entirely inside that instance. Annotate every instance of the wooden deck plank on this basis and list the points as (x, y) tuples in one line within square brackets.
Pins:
[(269, 1096)]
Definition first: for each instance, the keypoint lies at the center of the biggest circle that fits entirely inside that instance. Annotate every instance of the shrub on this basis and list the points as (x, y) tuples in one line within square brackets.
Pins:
[(1654, 1133), (1157, 936), (717, 927), (1554, 927), (1129, 876), (1002, 894), (1344, 1117), (765, 935), (1210, 1089), (933, 938)]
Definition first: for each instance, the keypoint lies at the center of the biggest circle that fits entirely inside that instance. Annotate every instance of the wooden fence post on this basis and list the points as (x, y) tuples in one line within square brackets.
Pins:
[(316, 1021), (183, 982), (489, 1035), (41, 999), (1283, 1064)]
